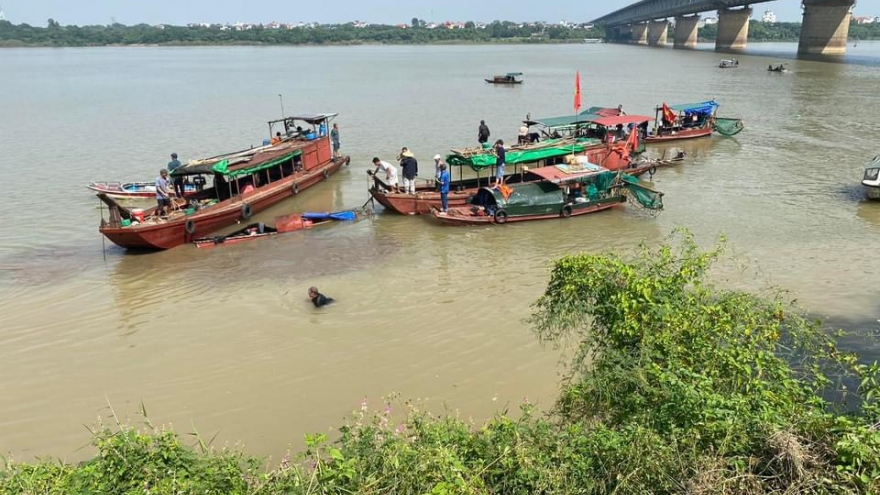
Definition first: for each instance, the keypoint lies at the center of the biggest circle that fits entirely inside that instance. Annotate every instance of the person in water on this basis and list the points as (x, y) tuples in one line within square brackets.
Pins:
[(317, 298)]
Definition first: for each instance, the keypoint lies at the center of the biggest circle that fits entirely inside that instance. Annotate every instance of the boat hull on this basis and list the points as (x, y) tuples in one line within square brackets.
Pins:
[(174, 233), (684, 134), (871, 192), (466, 215)]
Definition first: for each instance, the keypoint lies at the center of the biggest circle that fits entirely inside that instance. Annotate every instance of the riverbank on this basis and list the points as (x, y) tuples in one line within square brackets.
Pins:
[(679, 386), (506, 41)]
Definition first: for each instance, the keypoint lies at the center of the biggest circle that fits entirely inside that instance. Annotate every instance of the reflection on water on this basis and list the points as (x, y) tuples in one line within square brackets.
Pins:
[(226, 339)]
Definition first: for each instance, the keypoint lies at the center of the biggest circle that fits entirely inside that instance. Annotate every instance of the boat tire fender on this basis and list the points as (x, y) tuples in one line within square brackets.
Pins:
[(295, 188), (500, 216), (246, 211), (326, 174), (566, 211), (189, 226)]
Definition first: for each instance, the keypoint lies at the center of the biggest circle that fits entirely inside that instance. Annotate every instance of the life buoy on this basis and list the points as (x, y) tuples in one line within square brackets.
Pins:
[(326, 174), (500, 216), (189, 226), (566, 211), (246, 211), (295, 188)]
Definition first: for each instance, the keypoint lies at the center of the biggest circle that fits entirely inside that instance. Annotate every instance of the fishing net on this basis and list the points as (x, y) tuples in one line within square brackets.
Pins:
[(644, 196), (728, 127)]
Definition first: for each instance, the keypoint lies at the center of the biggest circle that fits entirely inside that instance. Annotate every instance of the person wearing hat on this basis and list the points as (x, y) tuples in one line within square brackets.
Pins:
[(410, 168), (444, 188), (163, 197), (173, 165)]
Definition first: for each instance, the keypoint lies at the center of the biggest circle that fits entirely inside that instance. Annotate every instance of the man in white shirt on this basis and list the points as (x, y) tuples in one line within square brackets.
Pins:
[(524, 134), (390, 172)]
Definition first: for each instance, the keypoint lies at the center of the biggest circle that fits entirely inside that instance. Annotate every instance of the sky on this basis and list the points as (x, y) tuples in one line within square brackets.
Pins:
[(179, 12)]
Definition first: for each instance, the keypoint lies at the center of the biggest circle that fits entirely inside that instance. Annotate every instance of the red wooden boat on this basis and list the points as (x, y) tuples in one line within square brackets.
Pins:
[(613, 156), (283, 224), (245, 183)]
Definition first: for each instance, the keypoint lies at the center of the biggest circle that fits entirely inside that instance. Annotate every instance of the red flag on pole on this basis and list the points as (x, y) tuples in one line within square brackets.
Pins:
[(577, 91), (668, 114)]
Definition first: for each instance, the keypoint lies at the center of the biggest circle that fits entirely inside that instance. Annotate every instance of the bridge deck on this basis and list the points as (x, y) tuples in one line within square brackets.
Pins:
[(648, 10)]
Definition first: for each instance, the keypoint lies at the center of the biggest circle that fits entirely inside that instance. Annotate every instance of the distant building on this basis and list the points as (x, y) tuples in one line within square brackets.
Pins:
[(769, 17), (864, 20), (710, 20), (2, 15)]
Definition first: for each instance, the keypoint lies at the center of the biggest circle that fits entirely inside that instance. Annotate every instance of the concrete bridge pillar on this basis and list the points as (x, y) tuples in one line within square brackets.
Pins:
[(686, 31), (640, 34), (657, 31), (733, 29), (825, 27)]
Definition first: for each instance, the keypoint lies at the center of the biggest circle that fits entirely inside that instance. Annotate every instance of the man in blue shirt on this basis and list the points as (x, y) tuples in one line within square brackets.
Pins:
[(444, 187), (163, 198), (178, 180)]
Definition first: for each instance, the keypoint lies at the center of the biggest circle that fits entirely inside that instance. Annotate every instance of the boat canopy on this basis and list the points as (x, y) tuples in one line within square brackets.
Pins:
[(603, 111), (223, 167), (514, 74), (874, 163), (704, 107), (621, 119), (561, 174), (587, 115), (310, 118), (549, 148)]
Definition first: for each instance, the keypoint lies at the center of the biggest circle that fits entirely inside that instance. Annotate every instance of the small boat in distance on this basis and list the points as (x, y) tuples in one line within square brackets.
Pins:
[(729, 64), (509, 78), (122, 190), (871, 179), (592, 40), (778, 68)]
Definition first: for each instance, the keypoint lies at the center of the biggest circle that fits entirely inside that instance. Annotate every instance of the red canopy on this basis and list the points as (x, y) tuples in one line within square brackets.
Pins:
[(564, 173), (622, 119)]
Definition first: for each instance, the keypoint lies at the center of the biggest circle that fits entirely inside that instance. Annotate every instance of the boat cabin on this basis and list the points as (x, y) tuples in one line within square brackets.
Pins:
[(871, 178), (676, 118), (305, 145), (509, 78)]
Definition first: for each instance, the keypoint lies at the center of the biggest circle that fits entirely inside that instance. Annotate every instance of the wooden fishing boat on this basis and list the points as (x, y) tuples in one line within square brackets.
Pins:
[(123, 190), (683, 121), (283, 224), (601, 155), (245, 182), (561, 194), (729, 64), (779, 68), (509, 78), (871, 179), (591, 41)]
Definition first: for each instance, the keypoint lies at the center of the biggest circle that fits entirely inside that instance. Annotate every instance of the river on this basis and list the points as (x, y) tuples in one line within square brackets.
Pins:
[(225, 340)]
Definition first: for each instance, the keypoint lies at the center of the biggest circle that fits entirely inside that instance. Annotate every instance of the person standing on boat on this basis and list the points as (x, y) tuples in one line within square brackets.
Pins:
[(483, 133), (410, 169), (390, 172), (334, 139), (444, 187), (163, 198), (173, 165), (276, 139), (500, 161)]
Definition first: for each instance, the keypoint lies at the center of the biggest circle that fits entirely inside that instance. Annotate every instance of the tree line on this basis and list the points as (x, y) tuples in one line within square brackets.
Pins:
[(118, 34)]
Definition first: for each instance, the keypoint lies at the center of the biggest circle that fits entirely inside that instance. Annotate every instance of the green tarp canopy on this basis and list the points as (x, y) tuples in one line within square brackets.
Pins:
[(484, 160), (222, 167)]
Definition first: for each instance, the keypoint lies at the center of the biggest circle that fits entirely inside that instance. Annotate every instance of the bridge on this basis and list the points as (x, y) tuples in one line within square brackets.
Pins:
[(823, 32)]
